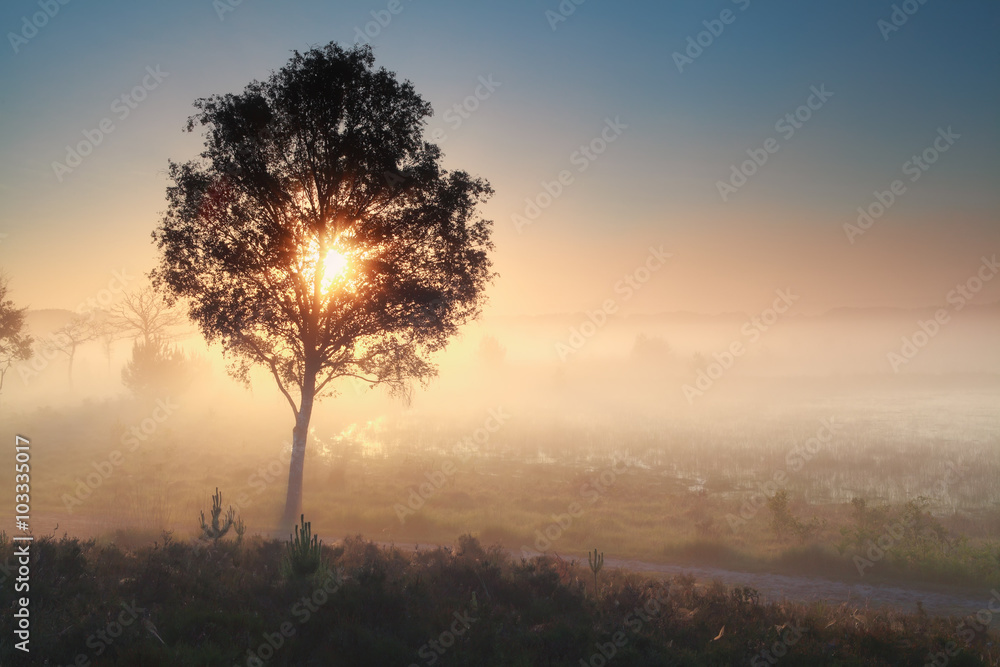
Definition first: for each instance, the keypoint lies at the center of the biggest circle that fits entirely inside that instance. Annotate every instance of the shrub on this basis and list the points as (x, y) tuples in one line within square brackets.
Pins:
[(157, 367)]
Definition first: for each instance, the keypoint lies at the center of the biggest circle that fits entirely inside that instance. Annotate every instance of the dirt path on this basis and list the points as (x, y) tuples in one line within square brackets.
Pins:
[(804, 588), (801, 588)]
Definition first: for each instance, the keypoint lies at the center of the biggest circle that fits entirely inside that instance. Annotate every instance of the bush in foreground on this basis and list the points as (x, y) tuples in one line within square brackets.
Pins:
[(228, 604)]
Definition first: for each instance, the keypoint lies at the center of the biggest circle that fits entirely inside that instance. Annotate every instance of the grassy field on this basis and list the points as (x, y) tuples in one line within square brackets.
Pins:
[(910, 485)]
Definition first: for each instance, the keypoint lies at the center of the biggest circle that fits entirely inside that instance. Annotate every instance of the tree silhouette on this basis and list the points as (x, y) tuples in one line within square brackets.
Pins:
[(15, 344), (70, 336), (108, 330), (320, 238), (144, 314)]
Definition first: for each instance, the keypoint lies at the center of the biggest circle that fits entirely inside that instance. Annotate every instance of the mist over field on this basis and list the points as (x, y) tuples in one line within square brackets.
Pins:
[(664, 393), (561, 333)]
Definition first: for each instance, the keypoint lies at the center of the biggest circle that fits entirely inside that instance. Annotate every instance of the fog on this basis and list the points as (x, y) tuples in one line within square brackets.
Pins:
[(644, 357), (664, 392)]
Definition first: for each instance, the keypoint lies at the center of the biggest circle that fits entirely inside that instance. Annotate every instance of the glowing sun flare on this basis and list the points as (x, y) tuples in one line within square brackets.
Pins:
[(334, 264)]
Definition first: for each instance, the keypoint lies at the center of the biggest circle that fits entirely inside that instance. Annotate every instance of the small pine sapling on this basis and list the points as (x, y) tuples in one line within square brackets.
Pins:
[(215, 531), (596, 563), (304, 553)]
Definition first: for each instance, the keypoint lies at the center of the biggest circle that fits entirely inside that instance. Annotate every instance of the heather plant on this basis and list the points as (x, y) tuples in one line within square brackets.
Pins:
[(391, 603)]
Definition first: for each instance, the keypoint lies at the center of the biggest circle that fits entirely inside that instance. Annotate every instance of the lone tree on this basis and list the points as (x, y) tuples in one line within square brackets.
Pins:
[(319, 237)]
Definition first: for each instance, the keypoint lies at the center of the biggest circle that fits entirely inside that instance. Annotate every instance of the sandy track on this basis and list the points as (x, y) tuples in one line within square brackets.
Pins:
[(804, 588)]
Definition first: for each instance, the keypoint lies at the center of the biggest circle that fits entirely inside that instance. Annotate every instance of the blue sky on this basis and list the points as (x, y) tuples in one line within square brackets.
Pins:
[(656, 183)]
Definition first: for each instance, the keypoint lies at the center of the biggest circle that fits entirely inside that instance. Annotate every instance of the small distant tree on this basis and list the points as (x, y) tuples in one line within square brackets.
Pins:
[(866, 522), (67, 338), (107, 331), (650, 350), (143, 315), (15, 343), (784, 523)]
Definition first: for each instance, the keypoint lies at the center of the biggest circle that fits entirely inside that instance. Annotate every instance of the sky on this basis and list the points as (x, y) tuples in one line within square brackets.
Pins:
[(672, 99)]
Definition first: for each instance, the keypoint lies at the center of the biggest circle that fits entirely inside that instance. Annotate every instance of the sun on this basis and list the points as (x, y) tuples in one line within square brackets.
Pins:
[(334, 265)]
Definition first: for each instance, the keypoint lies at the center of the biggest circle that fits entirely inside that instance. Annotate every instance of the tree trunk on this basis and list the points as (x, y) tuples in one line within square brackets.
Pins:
[(293, 499)]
